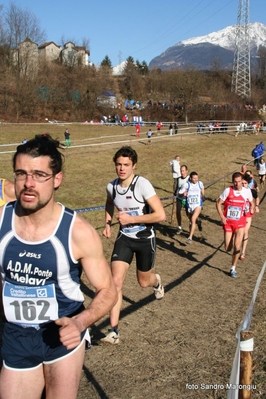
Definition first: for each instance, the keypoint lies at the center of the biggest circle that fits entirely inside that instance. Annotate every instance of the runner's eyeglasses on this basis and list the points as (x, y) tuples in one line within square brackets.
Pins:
[(40, 177)]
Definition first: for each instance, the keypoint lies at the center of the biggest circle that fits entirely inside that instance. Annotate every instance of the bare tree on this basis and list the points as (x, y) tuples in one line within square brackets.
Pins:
[(19, 34), (20, 24), (85, 42)]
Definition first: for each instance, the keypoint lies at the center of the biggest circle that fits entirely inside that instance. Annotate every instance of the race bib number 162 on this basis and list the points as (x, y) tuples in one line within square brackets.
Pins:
[(29, 305)]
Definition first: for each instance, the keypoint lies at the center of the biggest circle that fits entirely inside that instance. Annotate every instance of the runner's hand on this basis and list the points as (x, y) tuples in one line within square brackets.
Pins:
[(69, 332)]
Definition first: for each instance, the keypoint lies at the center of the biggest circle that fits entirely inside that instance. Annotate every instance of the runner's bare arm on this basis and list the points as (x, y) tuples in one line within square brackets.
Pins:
[(87, 247), (109, 212)]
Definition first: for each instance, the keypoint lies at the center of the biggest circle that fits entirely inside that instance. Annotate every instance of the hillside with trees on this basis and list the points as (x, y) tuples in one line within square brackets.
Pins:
[(69, 92)]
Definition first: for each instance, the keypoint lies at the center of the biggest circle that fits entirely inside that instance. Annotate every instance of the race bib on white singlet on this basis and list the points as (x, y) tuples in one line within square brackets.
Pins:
[(234, 212), (132, 228), (193, 199), (29, 306)]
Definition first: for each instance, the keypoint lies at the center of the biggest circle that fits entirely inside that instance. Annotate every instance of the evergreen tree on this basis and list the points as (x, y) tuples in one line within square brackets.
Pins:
[(106, 62)]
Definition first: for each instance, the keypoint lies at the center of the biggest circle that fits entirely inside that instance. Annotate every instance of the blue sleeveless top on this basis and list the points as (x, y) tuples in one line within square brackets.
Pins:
[(41, 280)]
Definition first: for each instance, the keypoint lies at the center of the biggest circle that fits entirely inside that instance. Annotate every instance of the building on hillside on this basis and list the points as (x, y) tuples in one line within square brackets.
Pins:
[(49, 52), (26, 57), (84, 55), (72, 55)]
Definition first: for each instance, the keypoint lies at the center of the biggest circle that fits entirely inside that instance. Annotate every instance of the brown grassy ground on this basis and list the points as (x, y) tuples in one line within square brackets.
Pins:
[(189, 336)]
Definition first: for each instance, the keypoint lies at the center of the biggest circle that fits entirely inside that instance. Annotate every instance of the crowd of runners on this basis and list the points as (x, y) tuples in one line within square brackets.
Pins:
[(46, 324), (236, 205)]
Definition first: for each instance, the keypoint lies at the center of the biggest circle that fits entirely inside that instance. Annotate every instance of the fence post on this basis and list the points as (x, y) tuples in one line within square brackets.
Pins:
[(245, 376)]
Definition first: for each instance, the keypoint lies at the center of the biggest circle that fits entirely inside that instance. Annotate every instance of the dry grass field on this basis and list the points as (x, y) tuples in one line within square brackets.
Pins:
[(188, 337)]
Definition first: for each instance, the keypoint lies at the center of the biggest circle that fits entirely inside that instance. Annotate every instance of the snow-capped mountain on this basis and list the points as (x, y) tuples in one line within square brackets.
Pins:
[(202, 51), (226, 37), (118, 70)]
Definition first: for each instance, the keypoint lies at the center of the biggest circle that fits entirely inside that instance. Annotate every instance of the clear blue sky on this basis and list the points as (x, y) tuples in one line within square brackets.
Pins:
[(142, 29)]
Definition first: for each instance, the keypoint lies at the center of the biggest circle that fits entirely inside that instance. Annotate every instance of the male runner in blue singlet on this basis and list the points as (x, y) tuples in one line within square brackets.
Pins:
[(43, 247), (138, 208)]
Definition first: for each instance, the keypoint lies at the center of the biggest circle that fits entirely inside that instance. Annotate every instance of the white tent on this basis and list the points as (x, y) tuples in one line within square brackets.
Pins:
[(107, 99)]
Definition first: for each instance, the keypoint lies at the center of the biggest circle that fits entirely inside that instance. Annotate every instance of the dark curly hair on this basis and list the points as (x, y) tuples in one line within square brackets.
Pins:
[(128, 152), (42, 145)]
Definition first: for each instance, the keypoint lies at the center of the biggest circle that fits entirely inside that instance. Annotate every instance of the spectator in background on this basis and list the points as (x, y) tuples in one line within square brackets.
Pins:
[(159, 126), (176, 128), (261, 148), (255, 153), (243, 127), (117, 119), (258, 128), (67, 138), (211, 127), (223, 127), (237, 130), (149, 135), (170, 129), (138, 130), (175, 164)]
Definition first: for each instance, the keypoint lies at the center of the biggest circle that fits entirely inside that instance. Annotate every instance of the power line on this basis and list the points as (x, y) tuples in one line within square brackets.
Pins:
[(189, 14)]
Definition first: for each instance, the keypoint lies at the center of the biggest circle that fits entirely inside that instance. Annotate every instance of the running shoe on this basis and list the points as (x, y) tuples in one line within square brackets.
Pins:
[(111, 337), (179, 229), (189, 240), (159, 292), (233, 273)]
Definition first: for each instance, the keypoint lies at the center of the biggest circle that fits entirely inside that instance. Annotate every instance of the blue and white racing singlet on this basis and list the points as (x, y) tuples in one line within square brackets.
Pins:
[(41, 280), (194, 198)]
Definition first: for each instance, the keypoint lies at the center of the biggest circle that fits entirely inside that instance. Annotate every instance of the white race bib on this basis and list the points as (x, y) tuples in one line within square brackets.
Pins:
[(193, 199), (29, 306), (234, 212)]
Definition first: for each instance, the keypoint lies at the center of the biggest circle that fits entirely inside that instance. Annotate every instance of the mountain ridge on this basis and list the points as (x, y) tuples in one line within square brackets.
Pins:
[(202, 51)]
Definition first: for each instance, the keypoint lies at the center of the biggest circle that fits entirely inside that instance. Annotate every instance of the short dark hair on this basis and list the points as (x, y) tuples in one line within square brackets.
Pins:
[(126, 152), (236, 174), (247, 177), (42, 145), (193, 174)]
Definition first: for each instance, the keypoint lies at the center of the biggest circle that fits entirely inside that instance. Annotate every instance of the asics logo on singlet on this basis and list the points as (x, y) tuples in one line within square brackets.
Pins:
[(29, 255)]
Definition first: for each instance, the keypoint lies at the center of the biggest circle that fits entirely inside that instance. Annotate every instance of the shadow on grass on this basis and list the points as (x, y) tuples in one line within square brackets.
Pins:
[(135, 306)]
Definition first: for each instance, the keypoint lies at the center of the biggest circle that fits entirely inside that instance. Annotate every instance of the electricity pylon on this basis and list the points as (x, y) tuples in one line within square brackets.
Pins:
[(241, 83)]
